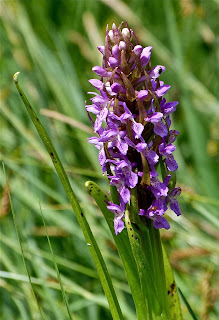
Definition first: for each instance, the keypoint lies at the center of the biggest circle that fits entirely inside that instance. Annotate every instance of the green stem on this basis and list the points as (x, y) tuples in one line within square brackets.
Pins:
[(94, 249)]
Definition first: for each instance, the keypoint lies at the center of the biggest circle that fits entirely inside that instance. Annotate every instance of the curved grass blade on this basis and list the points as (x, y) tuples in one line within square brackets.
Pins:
[(187, 305), (124, 249), (20, 242), (94, 249), (56, 267)]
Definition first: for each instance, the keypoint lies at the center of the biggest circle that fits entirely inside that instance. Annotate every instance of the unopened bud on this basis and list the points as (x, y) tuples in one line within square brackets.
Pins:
[(122, 46), (111, 35), (126, 32), (114, 27)]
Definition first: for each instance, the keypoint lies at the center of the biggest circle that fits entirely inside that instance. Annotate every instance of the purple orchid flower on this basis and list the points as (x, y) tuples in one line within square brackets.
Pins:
[(167, 150), (119, 212), (132, 121)]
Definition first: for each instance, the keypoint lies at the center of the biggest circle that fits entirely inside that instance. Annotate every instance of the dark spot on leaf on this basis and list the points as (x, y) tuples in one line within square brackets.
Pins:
[(82, 214), (130, 229), (54, 158), (21, 94), (172, 286)]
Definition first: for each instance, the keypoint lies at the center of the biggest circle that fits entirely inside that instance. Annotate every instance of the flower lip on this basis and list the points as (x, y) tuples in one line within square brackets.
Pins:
[(142, 94), (161, 91), (145, 56), (96, 83), (156, 71), (101, 71), (155, 117)]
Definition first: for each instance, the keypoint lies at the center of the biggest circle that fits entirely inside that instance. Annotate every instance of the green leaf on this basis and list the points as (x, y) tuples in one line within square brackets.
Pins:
[(94, 249), (124, 249), (145, 273), (173, 296), (160, 281)]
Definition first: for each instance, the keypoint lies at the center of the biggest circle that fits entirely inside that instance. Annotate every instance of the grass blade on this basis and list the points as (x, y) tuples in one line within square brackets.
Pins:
[(56, 267), (20, 242), (188, 305), (94, 249)]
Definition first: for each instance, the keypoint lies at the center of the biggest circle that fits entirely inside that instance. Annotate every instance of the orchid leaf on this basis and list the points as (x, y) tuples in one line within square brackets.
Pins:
[(145, 273), (172, 292)]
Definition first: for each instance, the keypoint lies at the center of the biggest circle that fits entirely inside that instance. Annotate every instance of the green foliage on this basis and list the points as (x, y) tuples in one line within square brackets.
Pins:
[(53, 44)]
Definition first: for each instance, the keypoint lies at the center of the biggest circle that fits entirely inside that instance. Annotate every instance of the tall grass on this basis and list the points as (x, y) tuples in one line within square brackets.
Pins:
[(53, 44)]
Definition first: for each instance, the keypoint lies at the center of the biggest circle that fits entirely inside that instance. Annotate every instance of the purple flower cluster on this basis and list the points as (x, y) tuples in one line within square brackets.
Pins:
[(132, 123)]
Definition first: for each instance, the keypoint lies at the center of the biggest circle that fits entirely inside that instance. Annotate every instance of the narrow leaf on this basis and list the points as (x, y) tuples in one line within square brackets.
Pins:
[(173, 297), (187, 305), (144, 271)]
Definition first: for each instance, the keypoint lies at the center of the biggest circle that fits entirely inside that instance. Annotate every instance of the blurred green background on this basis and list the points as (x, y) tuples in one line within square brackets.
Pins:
[(53, 44)]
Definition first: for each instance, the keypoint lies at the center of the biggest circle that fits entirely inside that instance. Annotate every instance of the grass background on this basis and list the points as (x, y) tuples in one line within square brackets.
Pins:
[(53, 44)]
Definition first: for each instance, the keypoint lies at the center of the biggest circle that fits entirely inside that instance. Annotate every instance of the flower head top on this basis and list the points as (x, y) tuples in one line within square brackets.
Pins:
[(133, 127)]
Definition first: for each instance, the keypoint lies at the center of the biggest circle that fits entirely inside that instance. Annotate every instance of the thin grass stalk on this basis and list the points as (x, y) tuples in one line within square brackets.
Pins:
[(56, 267), (20, 242)]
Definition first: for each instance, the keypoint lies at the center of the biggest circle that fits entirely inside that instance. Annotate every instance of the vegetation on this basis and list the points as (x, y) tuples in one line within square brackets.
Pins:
[(53, 45)]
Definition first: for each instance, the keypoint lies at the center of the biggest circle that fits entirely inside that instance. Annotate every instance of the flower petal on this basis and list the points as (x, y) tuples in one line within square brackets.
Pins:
[(161, 222), (96, 83), (154, 117), (171, 163), (160, 129), (161, 91), (101, 71), (145, 56)]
